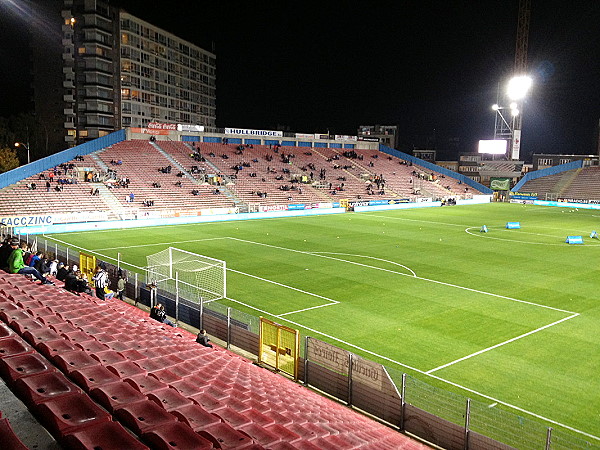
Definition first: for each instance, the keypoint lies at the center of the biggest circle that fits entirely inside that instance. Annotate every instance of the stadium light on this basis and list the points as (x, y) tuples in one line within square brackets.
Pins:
[(518, 87), (20, 144)]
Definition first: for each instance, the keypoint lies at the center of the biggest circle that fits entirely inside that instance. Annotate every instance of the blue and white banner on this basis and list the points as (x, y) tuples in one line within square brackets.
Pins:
[(26, 221), (249, 132)]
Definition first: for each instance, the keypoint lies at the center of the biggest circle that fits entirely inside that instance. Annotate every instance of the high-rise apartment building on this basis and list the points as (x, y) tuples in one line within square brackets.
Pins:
[(120, 71)]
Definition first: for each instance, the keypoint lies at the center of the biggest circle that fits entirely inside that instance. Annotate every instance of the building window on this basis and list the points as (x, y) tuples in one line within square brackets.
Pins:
[(544, 161)]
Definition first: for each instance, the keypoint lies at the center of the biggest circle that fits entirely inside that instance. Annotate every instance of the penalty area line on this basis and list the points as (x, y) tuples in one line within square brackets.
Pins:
[(516, 338)]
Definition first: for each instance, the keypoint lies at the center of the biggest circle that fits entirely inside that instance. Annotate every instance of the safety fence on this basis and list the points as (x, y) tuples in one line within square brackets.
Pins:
[(428, 411)]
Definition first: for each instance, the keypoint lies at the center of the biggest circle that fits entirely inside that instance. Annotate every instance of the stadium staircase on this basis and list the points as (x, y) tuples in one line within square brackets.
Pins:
[(566, 181), (101, 374)]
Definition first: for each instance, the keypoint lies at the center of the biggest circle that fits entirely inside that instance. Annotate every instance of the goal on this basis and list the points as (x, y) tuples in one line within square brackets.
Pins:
[(194, 277)]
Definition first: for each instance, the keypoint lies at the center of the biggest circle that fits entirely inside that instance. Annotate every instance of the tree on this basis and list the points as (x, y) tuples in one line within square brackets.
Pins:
[(8, 159)]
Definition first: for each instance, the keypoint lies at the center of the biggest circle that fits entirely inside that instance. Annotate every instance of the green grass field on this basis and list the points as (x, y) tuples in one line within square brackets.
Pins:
[(509, 314)]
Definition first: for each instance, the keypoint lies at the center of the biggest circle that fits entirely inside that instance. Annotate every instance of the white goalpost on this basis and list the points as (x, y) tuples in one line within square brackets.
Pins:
[(197, 278)]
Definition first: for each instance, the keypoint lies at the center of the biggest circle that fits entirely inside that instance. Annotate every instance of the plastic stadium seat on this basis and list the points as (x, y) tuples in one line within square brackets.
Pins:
[(143, 416), (12, 346), (91, 329), (50, 319), (260, 434), (20, 326), (108, 357), (145, 383), (175, 435), (64, 327), (64, 415), (169, 399), (196, 417), (5, 331), (20, 366), (8, 439), (93, 376), (150, 364), (133, 355), (165, 375), (51, 348), (77, 336), (232, 417), (44, 386), (284, 434), (70, 361), (92, 346), (18, 314), (186, 387), (106, 337), (301, 445), (308, 430), (104, 436), (338, 441), (119, 346), (39, 335), (125, 369), (113, 395), (224, 436)]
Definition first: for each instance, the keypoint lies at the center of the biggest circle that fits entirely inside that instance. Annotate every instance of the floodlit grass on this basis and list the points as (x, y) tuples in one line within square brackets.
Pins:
[(422, 291)]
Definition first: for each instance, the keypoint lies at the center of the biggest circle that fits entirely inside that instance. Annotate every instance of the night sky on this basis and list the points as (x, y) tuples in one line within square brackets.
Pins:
[(432, 68)]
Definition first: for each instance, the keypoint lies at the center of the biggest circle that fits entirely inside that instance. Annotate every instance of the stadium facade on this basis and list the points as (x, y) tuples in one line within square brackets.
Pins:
[(116, 71)]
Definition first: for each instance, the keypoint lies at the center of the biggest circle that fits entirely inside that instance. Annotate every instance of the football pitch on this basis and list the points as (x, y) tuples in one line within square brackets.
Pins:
[(509, 317)]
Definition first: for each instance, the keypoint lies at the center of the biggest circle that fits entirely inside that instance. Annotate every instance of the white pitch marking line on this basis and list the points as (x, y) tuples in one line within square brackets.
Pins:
[(285, 286), (415, 277), (365, 256), (500, 344), (306, 309), (162, 243), (451, 383)]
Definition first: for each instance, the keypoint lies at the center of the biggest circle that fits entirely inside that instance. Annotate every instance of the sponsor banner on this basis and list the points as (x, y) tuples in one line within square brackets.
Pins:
[(249, 132), (162, 126), (353, 204), (321, 136), (566, 204), (83, 216), (268, 208), (343, 137), (398, 200), (424, 199), (26, 221), (337, 360), (296, 207), (500, 184), (337, 205), (150, 131), (378, 202), (217, 211), (194, 128), (523, 197), (522, 202), (576, 200), (516, 145), (322, 205), (526, 194), (368, 139), (304, 136)]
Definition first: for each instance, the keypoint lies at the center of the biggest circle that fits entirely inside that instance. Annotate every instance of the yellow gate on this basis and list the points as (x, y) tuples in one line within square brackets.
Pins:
[(87, 264), (279, 347)]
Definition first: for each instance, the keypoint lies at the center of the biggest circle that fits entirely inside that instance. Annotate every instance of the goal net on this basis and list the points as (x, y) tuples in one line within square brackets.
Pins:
[(194, 277)]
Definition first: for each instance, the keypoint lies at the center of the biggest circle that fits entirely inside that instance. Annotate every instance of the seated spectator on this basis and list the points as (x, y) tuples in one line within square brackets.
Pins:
[(158, 313), (203, 339), (62, 272), (16, 264), (53, 267)]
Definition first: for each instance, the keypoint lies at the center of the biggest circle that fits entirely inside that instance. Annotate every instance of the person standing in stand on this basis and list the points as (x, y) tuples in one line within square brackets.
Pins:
[(100, 281)]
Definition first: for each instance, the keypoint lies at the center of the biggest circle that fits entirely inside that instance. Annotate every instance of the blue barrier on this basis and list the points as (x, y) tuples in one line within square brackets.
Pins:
[(513, 225), (574, 240)]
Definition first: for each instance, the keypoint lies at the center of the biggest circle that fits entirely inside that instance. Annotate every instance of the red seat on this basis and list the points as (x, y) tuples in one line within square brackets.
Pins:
[(108, 357), (8, 439), (51, 348), (143, 416), (20, 366), (18, 314), (232, 417), (12, 346), (39, 335), (208, 402), (93, 376), (145, 383), (44, 386), (169, 399), (20, 326), (64, 327), (186, 387), (165, 375), (92, 346), (5, 331), (222, 435), (104, 436), (70, 361), (113, 395), (150, 364), (77, 336), (64, 415), (126, 369), (133, 355), (91, 329), (106, 337), (175, 435), (195, 416), (260, 434), (50, 318)]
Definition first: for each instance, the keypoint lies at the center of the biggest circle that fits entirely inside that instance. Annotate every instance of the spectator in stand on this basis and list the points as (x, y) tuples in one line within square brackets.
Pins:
[(203, 339), (33, 259), (158, 313), (100, 281), (53, 267), (120, 287), (62, 271), (131, 197), (16, 264), (5, 251)]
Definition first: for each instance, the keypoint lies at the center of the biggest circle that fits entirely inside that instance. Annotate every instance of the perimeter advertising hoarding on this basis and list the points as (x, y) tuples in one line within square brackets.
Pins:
[(493, 147), (26, 221), (500, 184), (250, 132)]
